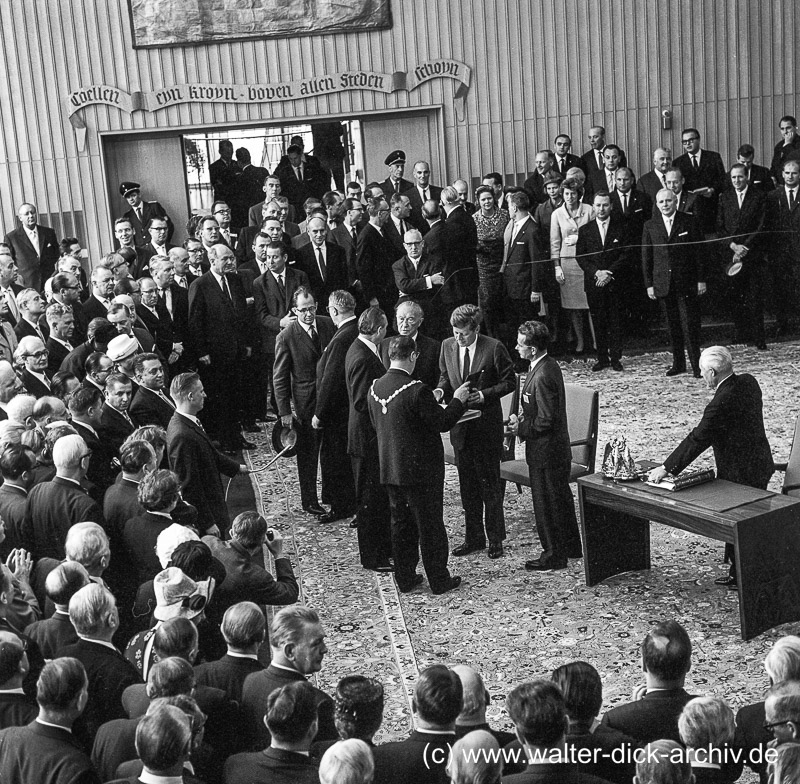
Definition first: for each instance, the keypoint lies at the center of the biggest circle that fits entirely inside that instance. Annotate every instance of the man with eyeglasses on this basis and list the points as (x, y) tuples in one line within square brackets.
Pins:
[(158, 245), (324, 263), (298, 348), (31, 350), (374, 259), (409, 317), (345, 235), (782, 716), (34, 247), (705, 175), (222, 212), (102, 293), (195, 265), (416, 275), (141, 212), (158, 322)]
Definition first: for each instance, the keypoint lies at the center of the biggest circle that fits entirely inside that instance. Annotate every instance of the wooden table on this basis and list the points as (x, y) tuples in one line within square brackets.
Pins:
[(764, 532)]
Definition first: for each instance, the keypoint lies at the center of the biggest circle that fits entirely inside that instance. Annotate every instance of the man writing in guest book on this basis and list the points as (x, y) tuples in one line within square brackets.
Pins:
[(733, 425)]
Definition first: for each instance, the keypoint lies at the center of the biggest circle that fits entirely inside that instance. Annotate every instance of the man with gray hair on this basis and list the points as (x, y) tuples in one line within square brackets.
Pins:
[(31, 354), (54, 507), (324, 262), (651, 182), (297, 641), (733, 426), (31, 307), (61, 321), (10, 385)]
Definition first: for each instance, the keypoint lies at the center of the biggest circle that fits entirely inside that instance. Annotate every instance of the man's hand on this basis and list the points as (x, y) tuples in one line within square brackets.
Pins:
[(602, 278), (205, 359), (243, 469), (739, 250), (315, 423), (276, 545), (475, 398), (173, 357), (20, 563), (651, 292), (701, 289), (286, 420), (288, 319), (513, 424), (213, 531), (462, 393), (437, 279), (657, 474), (559, 275), (250, 300)]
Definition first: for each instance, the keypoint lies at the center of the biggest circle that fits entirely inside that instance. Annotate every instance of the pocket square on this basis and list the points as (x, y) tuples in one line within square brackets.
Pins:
[(683, 233), (526, 398), (616, 240), (520, 243)]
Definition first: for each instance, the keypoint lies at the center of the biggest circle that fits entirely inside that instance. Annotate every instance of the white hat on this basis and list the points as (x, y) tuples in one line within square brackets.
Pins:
[(170, 538), (122, 347)]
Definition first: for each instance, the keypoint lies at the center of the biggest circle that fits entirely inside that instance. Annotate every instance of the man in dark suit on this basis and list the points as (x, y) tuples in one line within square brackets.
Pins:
[(733, 425), (564, 160), (86, 411), (705, 176), (782, 229), (604, 179), (249, 188), (150, 405), (297, 643), (687, 201), (222, 338), (460, 252), (33, 247), (672, 265), (415, 274), (593, 158), (324, 263), (193, 457), (345, 235), (298, 348), (409, 317), (271, 189), (422, 757), (157, 245), (61, 321), (273, 292), (244, 629), (651, 182), (666, 659), (482, 362), (757, 176), (156, 319), (524, 268), (93, 612), (16, 467), (175, 300), (45, 749), (301, 177), (31, 352), (374, 259), (740, 221), (245, 579), (602, 254), (102, 293), (66, 290), (788, 148), (362, 366), (534, 185), (408, 421), (9, 310), (31, 307), (224, 172), (542, 425), (142, 212), (420, 192), (332, 409), (394, 183), (115, 422), (399, 223)]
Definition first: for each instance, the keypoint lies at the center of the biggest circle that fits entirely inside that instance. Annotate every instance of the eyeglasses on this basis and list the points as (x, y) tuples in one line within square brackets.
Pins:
[(693, 139), (412, 244), (310, 309), (770, 727), (222, 212), (39, 354)]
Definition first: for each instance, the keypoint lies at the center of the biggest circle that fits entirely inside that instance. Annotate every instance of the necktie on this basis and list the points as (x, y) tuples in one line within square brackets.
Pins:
[(791, 198), (314, 337), (34, 238), (610, 180), (355, 235), (181, 282), (300, 173), (281, 285), (694, 163), (424, 195), (465, 373), (599, 156), (603, 226), (12, 304), (402, 228), (321, 262), (106, 303), (624, 203), (740, 194), (165, 398), (225, 286)]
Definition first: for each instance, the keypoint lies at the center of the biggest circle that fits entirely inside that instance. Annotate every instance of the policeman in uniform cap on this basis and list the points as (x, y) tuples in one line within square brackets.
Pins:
[(141, 212), (395, 183)]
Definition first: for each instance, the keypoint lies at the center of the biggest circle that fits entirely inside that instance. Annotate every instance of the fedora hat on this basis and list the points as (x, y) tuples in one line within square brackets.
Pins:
[(284, 438)]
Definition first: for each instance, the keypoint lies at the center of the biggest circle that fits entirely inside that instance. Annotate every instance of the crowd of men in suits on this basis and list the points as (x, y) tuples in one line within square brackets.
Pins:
[(127, 396)]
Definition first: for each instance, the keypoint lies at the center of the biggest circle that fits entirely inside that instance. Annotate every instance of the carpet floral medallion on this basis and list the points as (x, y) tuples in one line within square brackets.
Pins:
[(514, 625)]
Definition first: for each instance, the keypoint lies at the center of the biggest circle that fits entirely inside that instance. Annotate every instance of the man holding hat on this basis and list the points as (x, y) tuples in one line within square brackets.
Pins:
[(141, 212), (394, 183)]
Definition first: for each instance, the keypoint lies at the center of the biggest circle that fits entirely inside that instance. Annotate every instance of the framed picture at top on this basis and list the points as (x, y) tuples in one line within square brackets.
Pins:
[(187, 22)]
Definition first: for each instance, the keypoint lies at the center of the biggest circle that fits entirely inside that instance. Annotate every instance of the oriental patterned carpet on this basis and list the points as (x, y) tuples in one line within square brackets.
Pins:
[(514, 625)]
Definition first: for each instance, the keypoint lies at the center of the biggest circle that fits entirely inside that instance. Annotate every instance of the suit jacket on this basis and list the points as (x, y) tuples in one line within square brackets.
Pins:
[(101, 472), (362, 366), (17, 710), (58, 353), (412, 281), (335, 271), (427, 367), (570, 162), (218, 324), (653, 717), (589, 161), (460, 256), (109, 674), (144, 252), (150, 210), (272, 305), (258, 686), (374, 259), (524, 269), (534, 187), (710, 172), (24, 329), (409, 441), (44, 754), (733, 425), (276, 766), (389, 188), (33, 386), (294, 374), (247, 581), (674, 262), (159, 325), (751, 735), (742, 226), (120, 504), (227, 674), (114, 428), (332, 402), (640, 209), (650, 184), (489, 358), (199, 465), (13, 502), (140, 535), (414, 196), (393, 235), (147, 408), (34, 268), (420, 758), (782, 225), (344, 239), (435, 240), (52, 509), (543, 424), (53, 634), (592, 254), (759, 178)]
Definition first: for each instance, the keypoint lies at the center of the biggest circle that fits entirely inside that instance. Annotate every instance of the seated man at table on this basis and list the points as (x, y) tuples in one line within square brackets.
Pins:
[(733, 425)]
